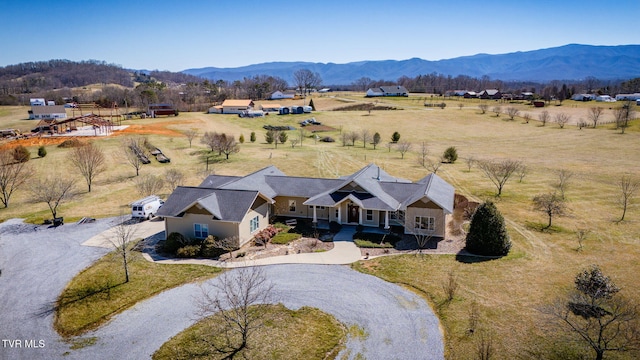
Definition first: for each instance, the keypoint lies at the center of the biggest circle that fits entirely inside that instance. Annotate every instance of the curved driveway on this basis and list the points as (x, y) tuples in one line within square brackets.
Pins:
[(398, 323)]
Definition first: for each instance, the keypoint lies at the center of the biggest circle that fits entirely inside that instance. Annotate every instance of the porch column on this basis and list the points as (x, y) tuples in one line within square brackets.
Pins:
[(315, 217), (359, 215), (339, 219), (386, 219)]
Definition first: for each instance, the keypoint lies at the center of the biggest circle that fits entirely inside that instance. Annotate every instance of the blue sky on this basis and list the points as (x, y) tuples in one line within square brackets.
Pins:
[(177, 35)]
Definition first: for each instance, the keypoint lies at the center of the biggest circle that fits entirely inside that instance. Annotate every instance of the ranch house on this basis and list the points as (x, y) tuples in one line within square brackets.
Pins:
[(387, 91), (47, 112), (225, 206), (232, 107)]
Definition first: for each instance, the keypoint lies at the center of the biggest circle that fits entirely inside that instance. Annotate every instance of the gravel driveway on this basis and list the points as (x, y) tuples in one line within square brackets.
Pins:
[(37, 264)]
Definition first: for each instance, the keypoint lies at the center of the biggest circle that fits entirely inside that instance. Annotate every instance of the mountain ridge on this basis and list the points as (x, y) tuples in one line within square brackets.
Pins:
[(567, 62)]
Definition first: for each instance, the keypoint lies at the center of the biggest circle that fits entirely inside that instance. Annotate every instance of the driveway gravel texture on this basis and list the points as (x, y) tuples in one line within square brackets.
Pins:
[(37, 262)]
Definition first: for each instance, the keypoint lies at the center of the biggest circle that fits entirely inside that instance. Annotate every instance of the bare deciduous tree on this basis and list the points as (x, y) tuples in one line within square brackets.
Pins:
[(483, 108), (512, 112), (120, 238), (551, 204), (470, 161), (403, 147), (89, 159), (191, 134), (306, 80), (522, 172), (562, 119), (13, 175), (434, 165), (594, 314), (212, 140), (628, 189), (53, 190), (499, 172), (173, 178), (365, 135), (238, 298), (148, 184), (134, 153), (423, 152), (544, 117), (581, 235), (623, 116), (526, 117), (228, 145), (450, 286), (564, 177), (594, 115), (497, 110), (353, 136), (228, 244)]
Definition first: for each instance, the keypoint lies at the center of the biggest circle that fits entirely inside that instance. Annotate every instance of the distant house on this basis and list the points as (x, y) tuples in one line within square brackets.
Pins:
[(628, 97), (470, 95), (492, 94), (37, 102), (324, 90), (387, 91), (605, 98), (287, 94), (583, 97), (40, 112), (225, 206), (232, 107)]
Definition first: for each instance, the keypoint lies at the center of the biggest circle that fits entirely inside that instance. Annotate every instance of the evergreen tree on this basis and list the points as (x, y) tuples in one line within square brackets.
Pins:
[(241, 139), (269, 137), (252, 138), (313, 107), (42, 151), (488, 233), (395, 137), (450, 155)]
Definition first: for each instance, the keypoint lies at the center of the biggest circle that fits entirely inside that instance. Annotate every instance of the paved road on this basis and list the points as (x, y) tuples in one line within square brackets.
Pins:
[(36, 264)]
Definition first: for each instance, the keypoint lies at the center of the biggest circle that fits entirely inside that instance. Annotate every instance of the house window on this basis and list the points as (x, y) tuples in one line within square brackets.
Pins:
[(254, 224), (292, 206), (200, 231), (425, 223), (369, 215)]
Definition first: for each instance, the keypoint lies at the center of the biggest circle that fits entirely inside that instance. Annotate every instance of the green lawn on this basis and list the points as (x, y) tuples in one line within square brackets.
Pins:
[(99, 292), (306, 333)]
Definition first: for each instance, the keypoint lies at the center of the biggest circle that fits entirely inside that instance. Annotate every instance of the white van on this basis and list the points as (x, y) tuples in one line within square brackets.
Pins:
[(146, 208)]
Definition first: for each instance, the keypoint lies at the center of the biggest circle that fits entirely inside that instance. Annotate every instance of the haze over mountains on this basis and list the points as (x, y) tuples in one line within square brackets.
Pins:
[(569, 62)]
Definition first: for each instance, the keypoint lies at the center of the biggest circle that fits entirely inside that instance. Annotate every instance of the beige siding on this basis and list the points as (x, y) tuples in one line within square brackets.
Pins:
[(262, 212), (438, 214), (281, 207), (184, 225)]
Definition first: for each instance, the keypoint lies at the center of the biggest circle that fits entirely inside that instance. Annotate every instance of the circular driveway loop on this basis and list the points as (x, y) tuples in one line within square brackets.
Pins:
[(398, 323)]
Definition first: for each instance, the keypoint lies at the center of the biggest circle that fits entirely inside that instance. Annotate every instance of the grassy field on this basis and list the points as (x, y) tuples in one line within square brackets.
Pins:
[(99, 292), (306, 333), (507, 291)]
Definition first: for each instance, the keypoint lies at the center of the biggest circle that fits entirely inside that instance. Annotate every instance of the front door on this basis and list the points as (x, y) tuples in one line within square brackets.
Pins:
[(353, 216)]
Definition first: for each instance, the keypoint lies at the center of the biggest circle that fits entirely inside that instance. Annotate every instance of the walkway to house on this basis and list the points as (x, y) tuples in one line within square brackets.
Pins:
[(344, 252)]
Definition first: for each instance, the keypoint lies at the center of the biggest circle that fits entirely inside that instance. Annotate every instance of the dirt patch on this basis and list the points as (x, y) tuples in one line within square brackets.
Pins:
[(40, 141), (319, 128), (151, 129), (364, 107)]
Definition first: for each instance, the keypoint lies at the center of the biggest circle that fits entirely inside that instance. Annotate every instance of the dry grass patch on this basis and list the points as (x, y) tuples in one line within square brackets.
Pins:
[(99, 292), (306, 333)]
